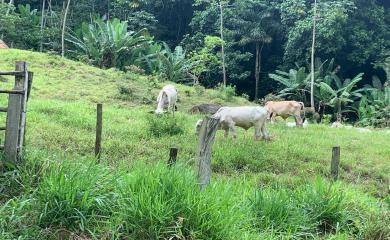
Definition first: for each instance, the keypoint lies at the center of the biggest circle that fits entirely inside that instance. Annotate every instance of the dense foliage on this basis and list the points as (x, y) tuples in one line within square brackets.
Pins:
[(265, 41)]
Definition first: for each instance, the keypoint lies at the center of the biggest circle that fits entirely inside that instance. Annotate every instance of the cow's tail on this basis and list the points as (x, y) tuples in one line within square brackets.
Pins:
[(303, 109)]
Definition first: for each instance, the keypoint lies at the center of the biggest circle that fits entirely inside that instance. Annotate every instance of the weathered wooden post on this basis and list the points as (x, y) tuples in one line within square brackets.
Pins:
[(15, 120), (172, 156), (334, 166), (206, 141), (99, 126)]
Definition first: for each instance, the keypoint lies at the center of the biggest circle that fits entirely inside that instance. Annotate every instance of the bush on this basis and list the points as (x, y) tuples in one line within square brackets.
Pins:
[(199, 90), (126, 91), (226, 93), (164, 125)]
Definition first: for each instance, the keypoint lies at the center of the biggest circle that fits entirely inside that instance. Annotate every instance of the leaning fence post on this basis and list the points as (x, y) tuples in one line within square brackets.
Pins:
[(99, 126), (14, 116), (172, 156), (334, 166), (206, 141)]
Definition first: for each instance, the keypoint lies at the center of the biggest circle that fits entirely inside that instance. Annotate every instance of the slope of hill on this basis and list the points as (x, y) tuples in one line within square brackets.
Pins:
[(60, 141), (63, 79)]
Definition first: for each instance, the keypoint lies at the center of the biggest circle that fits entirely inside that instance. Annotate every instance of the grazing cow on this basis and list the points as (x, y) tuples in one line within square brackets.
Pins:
[(244, 117), (206, 108), (285, 109), (166, 99)]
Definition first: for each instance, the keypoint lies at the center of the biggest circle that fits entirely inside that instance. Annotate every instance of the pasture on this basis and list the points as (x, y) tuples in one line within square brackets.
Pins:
[(260, 190)]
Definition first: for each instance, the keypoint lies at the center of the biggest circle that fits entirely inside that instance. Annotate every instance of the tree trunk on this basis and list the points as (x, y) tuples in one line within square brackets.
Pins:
[(42, 21), (339, 118), (223, 44), (258, 68), (312, 57), (108, 9), (63, 30)]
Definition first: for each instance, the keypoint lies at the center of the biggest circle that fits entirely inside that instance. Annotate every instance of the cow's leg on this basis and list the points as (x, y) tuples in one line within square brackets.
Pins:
[(258, 133), (226, 132), (298, 119), (273, 118), (232, 129), (264, 132)]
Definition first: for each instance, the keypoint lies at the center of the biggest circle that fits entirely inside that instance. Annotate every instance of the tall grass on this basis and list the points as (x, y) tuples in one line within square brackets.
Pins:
[(163, 203), (318, 209), (145, 203), (76, 196)]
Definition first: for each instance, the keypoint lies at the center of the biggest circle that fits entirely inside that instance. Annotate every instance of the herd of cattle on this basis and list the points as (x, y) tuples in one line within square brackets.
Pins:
[(242, 116)]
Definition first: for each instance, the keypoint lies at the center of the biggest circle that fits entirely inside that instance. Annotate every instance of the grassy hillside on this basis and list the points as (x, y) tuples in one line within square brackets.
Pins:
[(293, 167)]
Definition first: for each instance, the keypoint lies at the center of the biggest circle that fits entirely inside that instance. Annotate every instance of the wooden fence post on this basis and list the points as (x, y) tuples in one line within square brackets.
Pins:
[(206, 141), (99, 126), (334, 166), (14, 116), (172, 156)]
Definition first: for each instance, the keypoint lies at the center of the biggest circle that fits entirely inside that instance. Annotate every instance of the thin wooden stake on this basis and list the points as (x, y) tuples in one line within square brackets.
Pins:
[(206, 141), (99, 126), (334, 167), (172, 156)]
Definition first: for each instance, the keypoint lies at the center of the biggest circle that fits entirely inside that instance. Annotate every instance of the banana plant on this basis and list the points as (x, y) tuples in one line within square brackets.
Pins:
[(341, 94), (174, 66), (295, 83), (109, 44)]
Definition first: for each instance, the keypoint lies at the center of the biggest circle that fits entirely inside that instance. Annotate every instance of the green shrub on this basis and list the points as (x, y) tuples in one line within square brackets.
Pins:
[(199, 89), (164, 125), (226, 93)]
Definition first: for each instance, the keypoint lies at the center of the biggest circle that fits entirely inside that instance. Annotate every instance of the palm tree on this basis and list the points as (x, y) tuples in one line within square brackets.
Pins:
[(312, 56), (340, 94), (254, 24)]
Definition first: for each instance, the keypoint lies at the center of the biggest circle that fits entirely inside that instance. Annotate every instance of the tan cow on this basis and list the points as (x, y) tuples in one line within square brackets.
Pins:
[(285, 109)]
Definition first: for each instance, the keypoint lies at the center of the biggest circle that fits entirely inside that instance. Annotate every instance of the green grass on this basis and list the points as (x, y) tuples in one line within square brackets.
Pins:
[(260, 190)]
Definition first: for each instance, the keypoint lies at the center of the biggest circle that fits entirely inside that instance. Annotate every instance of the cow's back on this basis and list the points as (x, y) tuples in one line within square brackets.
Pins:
[(284, 108), (244, 117)]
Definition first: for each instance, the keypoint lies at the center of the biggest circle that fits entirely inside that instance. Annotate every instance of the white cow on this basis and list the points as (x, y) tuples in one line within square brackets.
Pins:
[(166, 99), (244, 117)]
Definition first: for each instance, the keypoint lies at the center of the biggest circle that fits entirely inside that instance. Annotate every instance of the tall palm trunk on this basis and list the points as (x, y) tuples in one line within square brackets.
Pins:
[(312, 57), (42, 21), (223, 44), (63, 30), (258, 68)]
